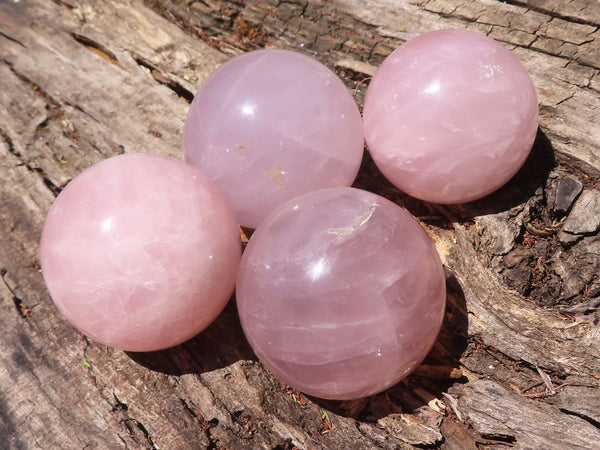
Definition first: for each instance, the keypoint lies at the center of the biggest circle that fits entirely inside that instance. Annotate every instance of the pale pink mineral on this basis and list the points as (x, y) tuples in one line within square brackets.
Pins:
[(140, 252), (340, 293), (270, 125), (450, 116)]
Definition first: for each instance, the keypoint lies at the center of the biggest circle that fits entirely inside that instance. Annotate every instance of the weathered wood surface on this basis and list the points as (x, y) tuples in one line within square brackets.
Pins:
[(518, 361)]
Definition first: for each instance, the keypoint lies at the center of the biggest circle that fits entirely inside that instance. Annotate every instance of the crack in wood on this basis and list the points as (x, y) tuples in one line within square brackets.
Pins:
[(81, 109), (10, 38), (64, 4), (497, 438), (97, 48), (27, 164), (206, 425), (585, 417), (34, 86), (24, 311), (9, 143), (163, 79)]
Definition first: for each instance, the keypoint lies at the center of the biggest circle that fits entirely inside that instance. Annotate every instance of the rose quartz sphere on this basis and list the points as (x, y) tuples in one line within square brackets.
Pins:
[(140, 252), (270, 125), (450, 116), (340, 293)]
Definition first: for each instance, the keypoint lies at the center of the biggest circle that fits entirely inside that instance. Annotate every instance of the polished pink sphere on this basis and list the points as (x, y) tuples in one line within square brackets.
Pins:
[(340, 293), (140, 252), (270, 125), (450, 116)]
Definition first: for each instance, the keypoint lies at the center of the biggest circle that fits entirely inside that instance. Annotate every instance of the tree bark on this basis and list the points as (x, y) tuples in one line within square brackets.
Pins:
[(517, 363)]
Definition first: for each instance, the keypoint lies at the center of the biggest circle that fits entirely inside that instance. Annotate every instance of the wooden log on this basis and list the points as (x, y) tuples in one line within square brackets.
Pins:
[(517, 362)]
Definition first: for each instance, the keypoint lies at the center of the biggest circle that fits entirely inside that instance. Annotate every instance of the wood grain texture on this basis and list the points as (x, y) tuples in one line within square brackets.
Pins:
[(517, 362)]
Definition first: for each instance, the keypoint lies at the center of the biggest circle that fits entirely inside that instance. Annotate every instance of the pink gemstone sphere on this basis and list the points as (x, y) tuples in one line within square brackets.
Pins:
[(140, 252), (270, 125), (340, 293), (450, 116)]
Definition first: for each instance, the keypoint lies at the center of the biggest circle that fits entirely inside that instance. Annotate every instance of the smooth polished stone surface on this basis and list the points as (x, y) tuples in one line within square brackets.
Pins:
[(270, 125), (340, 293), (140, 252), (450, 116)]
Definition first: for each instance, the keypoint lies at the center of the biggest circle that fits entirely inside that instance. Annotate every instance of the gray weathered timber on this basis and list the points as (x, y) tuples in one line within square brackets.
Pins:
[(517, 361)]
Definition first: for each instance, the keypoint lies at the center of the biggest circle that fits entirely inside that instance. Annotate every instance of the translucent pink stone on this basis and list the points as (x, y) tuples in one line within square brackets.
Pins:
[(140, 252), (270, 125), (450, 116), (340, 293)]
